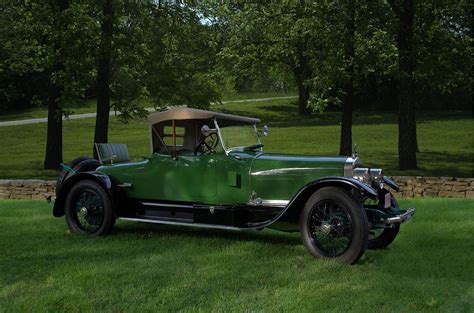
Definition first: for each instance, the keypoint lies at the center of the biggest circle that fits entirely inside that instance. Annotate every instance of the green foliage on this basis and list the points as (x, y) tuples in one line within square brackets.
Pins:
[(154, 268), (161, 51), (261, 37), (31, 48), (194, 53), (444, 54), (179, 63)]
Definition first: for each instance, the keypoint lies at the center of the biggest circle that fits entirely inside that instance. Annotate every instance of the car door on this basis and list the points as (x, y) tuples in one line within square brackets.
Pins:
[(186, 178), (194, 178)]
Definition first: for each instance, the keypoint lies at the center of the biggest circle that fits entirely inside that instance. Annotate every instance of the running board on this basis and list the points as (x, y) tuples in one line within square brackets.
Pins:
[(189, 224)]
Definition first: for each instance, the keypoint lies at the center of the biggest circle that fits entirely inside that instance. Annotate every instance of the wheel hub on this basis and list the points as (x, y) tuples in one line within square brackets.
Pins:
[(83, 211), (326, 228), (331, 228)]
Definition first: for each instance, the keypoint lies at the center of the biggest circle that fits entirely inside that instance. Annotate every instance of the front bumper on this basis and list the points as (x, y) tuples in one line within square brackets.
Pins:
[(402, 218), (380, 217)]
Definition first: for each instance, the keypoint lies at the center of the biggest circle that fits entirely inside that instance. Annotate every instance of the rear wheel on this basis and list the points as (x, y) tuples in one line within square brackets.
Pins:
[(89, 209), (334, 226)]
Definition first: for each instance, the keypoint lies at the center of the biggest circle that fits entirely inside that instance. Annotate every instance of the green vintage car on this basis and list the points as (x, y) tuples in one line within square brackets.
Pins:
[(208, 169)]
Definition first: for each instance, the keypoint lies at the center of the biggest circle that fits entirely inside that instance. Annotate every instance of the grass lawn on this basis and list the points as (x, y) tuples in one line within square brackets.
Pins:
[(445, 139), (148, 268)]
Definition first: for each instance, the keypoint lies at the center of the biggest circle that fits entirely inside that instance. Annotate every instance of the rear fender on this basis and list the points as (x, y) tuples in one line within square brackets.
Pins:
[(99, 178)]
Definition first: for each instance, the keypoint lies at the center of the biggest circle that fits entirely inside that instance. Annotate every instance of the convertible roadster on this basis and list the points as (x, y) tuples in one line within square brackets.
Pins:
[(208, 169)]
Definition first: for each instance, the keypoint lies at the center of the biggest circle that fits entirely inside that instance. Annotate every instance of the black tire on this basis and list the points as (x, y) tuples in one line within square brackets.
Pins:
[(66, 174), (347, 226), (88, 209), (382, 239)]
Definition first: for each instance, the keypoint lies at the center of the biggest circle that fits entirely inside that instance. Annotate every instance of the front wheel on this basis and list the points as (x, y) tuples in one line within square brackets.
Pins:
[(334, 226), (89, 209), (382, 238)]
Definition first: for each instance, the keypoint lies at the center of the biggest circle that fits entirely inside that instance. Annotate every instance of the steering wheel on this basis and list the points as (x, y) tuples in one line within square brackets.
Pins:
[(207, 144)]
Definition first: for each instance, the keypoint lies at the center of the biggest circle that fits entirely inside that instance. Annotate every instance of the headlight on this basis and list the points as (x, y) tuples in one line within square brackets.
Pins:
[(370, 176)]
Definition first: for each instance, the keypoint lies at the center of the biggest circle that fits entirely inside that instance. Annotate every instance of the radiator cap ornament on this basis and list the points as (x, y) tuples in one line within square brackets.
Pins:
[(355, 153)]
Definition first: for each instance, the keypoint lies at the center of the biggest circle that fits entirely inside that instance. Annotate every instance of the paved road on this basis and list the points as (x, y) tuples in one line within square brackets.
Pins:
[(90, 115)]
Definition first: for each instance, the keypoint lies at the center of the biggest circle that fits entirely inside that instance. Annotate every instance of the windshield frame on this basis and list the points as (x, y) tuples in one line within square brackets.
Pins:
[(228, 150)]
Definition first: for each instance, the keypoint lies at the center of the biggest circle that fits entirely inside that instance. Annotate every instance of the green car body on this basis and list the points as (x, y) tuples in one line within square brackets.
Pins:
[(236, 178), (198, 176)]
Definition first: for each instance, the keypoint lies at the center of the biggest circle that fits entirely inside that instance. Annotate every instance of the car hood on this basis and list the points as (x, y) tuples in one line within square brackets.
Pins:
[(280, 176), (276, 164)]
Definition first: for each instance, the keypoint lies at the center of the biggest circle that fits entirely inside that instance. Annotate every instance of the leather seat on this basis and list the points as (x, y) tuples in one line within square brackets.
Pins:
[(110, 153)]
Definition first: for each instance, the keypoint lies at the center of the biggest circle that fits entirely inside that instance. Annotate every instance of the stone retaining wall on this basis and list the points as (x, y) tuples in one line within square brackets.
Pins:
[(26, 189), (409, 187), (450, 187)]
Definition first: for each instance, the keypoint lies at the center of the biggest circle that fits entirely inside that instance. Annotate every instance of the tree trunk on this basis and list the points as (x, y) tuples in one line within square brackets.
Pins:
[(103, 75), (348, 102), (54, 140), (303, 96), (407, 141), (303, 74), (302, 69), (346, 122)]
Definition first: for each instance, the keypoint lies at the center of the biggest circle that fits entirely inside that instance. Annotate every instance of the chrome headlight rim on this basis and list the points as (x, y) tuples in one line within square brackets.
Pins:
[(369, 176)]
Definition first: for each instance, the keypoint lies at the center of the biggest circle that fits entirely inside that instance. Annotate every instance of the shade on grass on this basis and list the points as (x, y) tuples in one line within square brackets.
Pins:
[(143, 267)]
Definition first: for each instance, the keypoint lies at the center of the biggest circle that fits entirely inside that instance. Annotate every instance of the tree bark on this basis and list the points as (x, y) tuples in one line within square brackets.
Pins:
[(407, 141), (303, 95), (54, 140), (302, 69), (103, 75), (303, 74), (348, 101)]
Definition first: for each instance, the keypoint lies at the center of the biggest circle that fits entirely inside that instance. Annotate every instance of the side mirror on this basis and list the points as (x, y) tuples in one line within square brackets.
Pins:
[(265, 130), (205, 130)]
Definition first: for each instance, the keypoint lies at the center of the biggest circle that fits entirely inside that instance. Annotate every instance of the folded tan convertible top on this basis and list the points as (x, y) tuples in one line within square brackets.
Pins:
[(183, 113)]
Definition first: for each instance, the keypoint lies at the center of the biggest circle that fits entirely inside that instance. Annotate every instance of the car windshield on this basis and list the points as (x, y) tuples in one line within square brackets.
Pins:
[(240, 137)]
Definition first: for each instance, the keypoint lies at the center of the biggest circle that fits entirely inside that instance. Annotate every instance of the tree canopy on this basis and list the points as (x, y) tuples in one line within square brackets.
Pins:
[(337, 55)]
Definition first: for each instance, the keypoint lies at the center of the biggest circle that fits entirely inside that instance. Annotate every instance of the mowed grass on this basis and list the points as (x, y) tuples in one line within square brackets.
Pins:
[(149, 268), (445, 139)]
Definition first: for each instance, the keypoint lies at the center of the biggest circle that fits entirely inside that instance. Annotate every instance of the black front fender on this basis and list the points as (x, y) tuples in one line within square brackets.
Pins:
[(342, 182), (102, 179), (291, 212)]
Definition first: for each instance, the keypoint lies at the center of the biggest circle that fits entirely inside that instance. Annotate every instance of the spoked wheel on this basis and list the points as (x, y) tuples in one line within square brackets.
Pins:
[(89, 209), (334, 226), (381, 238), (330, 228)]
